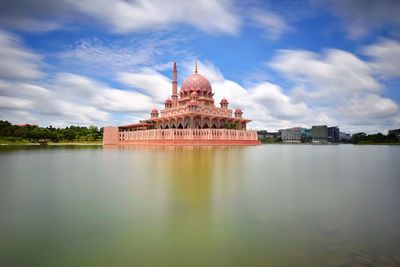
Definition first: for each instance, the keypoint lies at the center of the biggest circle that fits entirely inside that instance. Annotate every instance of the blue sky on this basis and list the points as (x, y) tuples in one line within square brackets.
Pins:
[(285, 63)]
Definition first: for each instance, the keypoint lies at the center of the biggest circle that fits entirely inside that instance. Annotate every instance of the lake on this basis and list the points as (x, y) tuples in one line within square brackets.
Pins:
[(268, 205)]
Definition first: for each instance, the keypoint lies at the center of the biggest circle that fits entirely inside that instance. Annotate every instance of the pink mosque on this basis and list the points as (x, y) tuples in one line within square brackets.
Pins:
[(190, 117)]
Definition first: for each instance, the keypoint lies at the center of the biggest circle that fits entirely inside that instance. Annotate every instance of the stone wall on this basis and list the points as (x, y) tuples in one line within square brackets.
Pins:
[(110, 135)]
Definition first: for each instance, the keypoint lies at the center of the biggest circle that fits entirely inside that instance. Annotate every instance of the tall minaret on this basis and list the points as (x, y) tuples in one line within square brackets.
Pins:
[(175, 87)]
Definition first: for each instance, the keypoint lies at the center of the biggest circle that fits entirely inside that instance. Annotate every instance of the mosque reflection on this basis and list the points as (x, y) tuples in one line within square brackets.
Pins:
[(189, 181)]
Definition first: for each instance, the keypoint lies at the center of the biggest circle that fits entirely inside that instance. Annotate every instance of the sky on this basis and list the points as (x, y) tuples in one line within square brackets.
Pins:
[(284, 63)]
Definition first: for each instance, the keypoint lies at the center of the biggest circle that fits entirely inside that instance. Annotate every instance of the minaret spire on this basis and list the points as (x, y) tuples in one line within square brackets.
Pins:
[(174, 86), (195, 67)]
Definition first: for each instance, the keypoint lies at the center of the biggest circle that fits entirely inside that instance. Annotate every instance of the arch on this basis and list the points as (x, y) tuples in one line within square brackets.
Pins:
[(205, 123), (215, 123), (197, 122), (172, 124), (179, 121), (186, 122)]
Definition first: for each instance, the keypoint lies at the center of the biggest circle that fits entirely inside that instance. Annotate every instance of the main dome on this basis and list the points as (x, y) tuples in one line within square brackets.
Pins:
[(196, 82)]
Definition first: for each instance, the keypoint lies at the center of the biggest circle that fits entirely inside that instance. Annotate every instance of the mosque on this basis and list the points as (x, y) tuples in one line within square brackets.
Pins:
[(189, 117)]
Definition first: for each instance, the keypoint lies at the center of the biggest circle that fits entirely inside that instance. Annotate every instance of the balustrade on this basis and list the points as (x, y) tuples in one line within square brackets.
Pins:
[(187, 134)]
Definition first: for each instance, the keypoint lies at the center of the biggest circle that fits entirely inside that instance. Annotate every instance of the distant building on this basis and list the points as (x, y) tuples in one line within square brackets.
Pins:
[(344, 137), (306, 135), (262, 134), (275, 135), (291, 135), (320, 134), (333, 134)]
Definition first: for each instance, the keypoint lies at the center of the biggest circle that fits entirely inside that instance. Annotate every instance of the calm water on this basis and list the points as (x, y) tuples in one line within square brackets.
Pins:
[(270, 205)]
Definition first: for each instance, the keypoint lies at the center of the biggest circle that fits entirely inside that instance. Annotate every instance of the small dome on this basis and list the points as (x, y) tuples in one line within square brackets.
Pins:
[(224, 101), (168, 101), (238, 110), (196, 82), (193, 103), (154, 110)]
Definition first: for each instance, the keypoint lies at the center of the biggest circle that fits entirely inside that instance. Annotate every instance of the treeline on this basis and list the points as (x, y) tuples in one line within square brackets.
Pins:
[(35, 133), (393, 136)]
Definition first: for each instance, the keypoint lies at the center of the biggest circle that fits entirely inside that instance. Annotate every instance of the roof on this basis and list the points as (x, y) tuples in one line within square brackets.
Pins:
[(136, 125)]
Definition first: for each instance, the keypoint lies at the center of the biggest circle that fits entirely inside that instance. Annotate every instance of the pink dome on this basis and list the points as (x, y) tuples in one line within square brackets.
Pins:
[(154, 110), (238, 110), (224, 101), (196, 82), (168, 101), (192, 103)]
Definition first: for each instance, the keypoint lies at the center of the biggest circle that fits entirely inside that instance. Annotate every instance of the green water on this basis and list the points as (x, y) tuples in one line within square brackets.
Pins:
[(269, 205)]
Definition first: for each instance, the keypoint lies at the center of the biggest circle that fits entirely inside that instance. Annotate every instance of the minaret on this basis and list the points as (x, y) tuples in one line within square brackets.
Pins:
[(175, 87)]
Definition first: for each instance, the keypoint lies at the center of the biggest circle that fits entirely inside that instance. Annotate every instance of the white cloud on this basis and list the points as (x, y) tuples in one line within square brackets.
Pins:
[(87, 91), (23, 102), (14, 103), (128, 16), (369, 108), (17, 62), (273, 24), (150, 82), (214, 16), (340, 85), (93, 54), (385, 57), (70, 99), (336, 74)]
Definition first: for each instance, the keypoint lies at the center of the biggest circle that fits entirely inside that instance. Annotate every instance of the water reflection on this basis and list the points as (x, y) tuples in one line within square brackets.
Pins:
[(200, 206)]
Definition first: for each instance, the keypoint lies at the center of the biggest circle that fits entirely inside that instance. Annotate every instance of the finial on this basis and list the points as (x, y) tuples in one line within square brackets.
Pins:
[(195, 67)]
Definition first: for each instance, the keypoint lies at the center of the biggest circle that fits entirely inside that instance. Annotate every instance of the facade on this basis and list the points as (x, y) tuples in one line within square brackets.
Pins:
[(189, 117), (291, 135), (320, 134), (333, 135)]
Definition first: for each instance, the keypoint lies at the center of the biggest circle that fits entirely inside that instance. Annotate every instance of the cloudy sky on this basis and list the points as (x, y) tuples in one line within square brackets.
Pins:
[(285, 63)]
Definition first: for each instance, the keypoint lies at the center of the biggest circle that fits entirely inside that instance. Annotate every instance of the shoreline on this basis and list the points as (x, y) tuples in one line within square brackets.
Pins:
[(101, 144), (55, 144)]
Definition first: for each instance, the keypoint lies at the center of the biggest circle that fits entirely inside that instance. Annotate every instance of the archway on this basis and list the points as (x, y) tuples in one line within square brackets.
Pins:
[(186, 123)]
